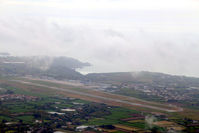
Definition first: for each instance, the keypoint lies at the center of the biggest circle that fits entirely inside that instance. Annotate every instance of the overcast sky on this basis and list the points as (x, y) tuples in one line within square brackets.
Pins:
[(113, 35)]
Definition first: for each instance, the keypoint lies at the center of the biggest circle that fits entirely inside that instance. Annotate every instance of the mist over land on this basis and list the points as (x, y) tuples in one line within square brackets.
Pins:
[(114, 36)]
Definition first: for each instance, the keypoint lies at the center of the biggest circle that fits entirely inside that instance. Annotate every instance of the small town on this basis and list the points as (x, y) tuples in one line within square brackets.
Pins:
[(170, 94), (17, 97)]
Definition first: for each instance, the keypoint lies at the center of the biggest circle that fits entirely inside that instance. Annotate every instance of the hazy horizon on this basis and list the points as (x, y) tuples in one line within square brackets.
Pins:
[(112, 35)]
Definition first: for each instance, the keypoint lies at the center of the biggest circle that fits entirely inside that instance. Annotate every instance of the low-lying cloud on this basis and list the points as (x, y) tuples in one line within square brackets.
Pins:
[(140, 40)]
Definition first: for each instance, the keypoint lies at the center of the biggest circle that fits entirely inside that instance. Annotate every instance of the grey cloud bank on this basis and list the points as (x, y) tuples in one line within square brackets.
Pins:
[(114, 39)]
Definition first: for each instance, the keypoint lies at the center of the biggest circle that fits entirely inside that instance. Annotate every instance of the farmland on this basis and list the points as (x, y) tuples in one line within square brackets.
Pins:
[(43, 109)]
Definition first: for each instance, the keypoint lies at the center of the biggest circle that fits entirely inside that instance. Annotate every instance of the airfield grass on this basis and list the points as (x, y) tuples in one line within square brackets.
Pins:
[(53, 84), (118, 132)]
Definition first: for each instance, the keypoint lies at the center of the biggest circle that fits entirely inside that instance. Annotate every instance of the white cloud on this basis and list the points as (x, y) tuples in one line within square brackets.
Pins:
[(113, 35), (110, 4)]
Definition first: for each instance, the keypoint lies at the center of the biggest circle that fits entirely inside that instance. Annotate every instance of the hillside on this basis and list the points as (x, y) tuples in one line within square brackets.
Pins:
[(61, 68), (56, 67), (145, 77)]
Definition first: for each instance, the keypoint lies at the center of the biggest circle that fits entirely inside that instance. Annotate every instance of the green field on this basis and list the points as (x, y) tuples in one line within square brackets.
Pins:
[(86, 113)]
